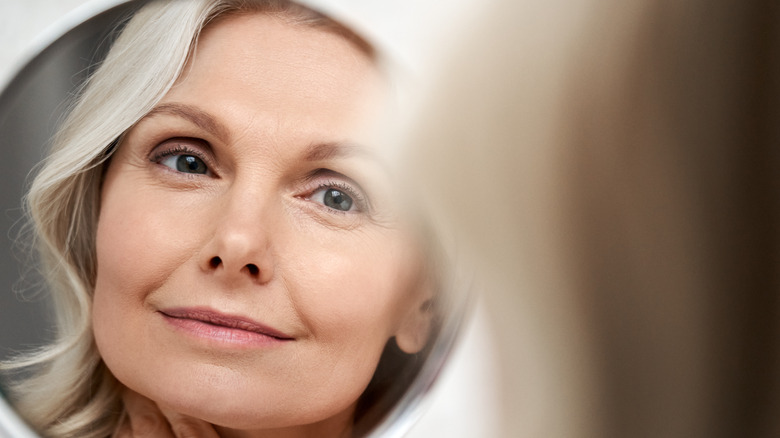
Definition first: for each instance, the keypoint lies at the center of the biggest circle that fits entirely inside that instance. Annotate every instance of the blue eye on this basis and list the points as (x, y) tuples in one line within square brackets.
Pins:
[(185, 164), (334, 198)]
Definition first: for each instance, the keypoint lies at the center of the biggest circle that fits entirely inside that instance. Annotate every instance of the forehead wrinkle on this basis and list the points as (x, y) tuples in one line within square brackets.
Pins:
[(196, 116)]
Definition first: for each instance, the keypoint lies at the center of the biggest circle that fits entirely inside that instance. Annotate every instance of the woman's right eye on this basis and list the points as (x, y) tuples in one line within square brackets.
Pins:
[(185, 163)]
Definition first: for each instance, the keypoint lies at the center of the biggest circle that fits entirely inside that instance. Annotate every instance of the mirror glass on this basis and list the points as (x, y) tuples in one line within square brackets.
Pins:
[(32, 107)]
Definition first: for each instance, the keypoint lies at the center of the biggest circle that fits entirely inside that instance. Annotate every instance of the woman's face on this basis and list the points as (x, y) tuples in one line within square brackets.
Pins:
[(251, 266)]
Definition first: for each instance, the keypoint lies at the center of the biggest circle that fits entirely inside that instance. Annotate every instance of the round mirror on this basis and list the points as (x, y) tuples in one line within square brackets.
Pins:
[(143, 272)]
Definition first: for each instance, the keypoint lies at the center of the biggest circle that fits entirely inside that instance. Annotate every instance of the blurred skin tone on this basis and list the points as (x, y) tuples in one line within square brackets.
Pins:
[(251, 264)]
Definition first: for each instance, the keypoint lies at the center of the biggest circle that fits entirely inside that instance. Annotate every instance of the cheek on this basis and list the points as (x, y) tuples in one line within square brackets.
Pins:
[(119, 242), (142, 236), (119, 286), (361, 290), (137, 250), (354, 301), (128, 256)]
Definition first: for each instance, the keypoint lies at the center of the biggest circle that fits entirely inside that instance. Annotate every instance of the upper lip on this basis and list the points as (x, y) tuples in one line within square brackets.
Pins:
[(214, 317)]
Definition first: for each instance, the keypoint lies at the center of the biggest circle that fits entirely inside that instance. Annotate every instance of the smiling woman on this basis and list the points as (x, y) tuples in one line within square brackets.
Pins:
[(221, 237)]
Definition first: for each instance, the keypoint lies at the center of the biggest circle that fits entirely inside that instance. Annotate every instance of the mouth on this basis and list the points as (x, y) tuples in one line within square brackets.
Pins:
[(210, 324)]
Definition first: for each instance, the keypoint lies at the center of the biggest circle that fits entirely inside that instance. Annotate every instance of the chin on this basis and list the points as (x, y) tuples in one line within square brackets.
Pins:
[(245, 418), (232, 408), (219, 406)]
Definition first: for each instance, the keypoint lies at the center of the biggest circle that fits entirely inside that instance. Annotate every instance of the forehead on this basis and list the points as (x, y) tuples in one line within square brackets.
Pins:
[(256, 65)]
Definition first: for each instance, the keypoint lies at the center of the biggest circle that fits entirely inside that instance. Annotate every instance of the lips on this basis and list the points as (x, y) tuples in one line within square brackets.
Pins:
[(219, 326)]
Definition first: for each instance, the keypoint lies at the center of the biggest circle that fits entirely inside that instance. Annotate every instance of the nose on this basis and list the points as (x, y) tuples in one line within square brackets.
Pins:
[(240, 249)]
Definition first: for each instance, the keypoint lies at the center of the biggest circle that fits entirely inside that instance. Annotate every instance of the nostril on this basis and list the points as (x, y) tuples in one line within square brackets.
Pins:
[(253, 269), (215, 261)]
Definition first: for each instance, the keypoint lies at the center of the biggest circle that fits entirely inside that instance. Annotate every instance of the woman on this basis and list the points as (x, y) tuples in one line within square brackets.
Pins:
[(219, 237)]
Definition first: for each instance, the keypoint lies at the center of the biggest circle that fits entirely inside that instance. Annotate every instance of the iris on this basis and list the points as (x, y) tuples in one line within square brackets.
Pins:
[(337, 200), (190, 164)]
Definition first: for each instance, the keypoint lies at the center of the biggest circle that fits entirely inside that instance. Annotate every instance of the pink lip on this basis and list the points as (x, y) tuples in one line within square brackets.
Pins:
[(230, 329)]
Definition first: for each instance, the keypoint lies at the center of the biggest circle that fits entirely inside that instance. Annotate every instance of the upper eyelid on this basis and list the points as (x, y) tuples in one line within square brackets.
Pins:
[(324, 173), (173, 146)]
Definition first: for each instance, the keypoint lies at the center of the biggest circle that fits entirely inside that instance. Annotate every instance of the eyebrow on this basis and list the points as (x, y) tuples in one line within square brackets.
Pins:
[(333, 150), (199, 118), (337, 150)]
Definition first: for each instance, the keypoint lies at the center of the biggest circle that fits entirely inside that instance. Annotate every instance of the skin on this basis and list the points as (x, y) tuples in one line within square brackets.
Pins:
[(276, 114)]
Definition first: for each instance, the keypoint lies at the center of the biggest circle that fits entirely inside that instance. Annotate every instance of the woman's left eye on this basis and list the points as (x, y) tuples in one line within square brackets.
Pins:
[(185, 163), (335, 198)]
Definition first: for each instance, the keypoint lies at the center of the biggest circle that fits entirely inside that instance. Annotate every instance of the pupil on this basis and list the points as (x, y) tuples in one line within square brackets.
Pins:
[(337, 200), (190, 164)]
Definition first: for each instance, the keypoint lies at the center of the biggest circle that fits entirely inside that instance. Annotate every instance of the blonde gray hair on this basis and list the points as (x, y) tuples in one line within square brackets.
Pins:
[(64, 389)]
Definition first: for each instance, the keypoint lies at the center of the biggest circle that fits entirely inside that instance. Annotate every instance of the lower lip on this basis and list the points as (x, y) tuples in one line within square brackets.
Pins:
[(221, 335)]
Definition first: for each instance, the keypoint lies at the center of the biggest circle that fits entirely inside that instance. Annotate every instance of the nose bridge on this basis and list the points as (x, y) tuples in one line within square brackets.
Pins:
[(242, 245), (244, 205)]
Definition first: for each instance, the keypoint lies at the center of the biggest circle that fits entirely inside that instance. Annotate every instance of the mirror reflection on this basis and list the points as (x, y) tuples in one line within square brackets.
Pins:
[(223, 243)]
